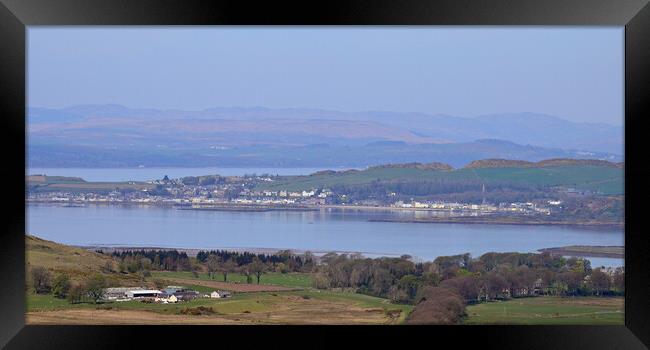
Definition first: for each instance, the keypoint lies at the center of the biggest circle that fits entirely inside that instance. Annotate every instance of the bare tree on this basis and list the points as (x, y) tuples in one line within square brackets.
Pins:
[(257, 267), (227, 267), (41, 279), (213, 265)]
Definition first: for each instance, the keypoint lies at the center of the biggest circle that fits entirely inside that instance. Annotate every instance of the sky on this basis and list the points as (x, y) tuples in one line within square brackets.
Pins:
[(575, 73)]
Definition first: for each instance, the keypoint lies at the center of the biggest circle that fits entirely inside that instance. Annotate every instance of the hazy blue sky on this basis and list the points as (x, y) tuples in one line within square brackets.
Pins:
[(571, 72)]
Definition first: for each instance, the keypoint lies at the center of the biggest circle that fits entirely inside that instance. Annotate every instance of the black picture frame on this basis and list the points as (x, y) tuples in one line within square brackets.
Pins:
[(15, 15)]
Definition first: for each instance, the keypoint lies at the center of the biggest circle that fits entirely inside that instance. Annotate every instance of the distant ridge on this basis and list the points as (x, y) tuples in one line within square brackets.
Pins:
[(505, 163), (414, 165), (483, 163)]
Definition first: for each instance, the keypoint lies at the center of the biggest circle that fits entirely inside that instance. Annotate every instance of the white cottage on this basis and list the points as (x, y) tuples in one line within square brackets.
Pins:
[(219, 294)]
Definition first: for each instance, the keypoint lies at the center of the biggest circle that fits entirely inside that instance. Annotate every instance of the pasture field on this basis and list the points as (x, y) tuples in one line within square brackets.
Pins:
[(294, 307), (38, 183), (548, 310), (291, 280)]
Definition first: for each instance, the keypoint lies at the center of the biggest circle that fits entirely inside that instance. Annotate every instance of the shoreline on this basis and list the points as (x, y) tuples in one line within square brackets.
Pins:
[(319, 253), (451, 218), (611, 252), (192, 252), (502, 221)]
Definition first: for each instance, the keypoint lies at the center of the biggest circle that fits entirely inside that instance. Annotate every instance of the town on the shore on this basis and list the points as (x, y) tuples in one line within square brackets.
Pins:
[(236, 193)]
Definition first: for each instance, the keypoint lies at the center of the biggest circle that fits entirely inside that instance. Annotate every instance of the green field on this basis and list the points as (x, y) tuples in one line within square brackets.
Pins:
[(603, 179), (292, 280), (239, 303), (38, 183), (549, 311)]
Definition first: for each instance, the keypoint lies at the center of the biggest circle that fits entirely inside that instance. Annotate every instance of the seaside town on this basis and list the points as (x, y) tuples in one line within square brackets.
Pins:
[(240, 193)]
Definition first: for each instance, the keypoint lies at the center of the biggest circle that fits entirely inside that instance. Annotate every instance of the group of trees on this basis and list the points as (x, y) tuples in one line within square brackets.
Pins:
[(206, 180), (91, 289), (285, 260), (147, 260), (439, 289), (252, 265), (459, 190), (491, 276), (214, 262)]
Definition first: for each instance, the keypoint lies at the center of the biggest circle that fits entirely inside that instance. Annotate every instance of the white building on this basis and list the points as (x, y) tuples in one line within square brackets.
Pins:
[(219, 294), (143, 293)]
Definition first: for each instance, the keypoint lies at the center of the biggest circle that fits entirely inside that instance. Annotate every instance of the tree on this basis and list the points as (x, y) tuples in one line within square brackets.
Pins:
[(227, 267), (61, 286), (76, 293), (213, 265), (437, 306), (599, 281), (257, 267), (619, 280), (41, 280), (245, 271), (281, 268), (95, 287)]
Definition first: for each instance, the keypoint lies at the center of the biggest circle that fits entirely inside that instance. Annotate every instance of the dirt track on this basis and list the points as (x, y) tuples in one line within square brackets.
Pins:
[(111, 317)]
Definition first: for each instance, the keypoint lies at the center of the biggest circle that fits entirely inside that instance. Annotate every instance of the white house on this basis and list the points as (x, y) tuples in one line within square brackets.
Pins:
[(219, 294)]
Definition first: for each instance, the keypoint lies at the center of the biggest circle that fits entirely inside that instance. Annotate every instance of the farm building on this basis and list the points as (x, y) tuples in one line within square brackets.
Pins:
[(219, 294), (143, 293), (117, 293), (180, 292)]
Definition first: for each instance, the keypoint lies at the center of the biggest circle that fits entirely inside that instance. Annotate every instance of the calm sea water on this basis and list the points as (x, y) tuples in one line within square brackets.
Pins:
[(145, 174), (324, 230)]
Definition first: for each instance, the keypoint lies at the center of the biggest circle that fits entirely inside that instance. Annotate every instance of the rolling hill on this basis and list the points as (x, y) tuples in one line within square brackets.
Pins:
[(117, 136), (596, 176)]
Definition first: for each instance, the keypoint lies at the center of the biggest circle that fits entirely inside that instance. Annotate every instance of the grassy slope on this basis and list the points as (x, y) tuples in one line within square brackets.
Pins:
[(549, 310), (75, 184), (608, 180), (77, 263)]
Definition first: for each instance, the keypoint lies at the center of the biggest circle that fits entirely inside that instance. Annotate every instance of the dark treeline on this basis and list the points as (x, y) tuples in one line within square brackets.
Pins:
[(458, 280), (206, 180), (146, 260), (293, 263), (461, 190)]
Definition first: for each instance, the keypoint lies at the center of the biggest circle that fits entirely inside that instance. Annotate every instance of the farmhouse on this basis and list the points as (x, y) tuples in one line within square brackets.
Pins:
[(179, 292), (220, 294), (118, 292)]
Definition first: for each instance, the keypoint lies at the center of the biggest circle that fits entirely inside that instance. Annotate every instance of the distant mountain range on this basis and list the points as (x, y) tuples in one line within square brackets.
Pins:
[(117, 136)]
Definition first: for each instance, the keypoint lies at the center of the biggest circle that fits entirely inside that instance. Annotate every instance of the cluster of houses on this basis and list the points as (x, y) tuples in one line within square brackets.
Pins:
[(527, 207), (170, 294)]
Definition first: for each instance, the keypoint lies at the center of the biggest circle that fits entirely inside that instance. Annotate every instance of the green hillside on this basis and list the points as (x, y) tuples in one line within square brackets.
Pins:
[(603, 179), (42, 183)]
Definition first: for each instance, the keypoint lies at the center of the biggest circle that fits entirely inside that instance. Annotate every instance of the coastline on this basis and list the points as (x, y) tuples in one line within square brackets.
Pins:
[(449, 218), (613, 252), (473, 220), (192, 252)]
